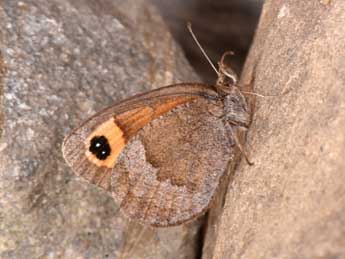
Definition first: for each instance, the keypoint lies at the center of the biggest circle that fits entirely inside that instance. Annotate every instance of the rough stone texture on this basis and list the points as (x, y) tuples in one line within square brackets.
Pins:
[(291, 203), (60, 62)]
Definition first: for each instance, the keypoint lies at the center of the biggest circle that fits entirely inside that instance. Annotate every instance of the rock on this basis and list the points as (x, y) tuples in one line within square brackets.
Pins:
[(60, 62), (291, 203)]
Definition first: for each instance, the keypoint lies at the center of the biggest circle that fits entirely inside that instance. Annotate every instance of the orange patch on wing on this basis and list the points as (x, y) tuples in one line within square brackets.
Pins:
[(115, 138), (134, 120), (162, 108), (121, 128)]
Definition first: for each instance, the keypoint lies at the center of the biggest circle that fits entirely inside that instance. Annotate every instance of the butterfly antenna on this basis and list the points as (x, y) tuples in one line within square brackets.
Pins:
[(189, 26)]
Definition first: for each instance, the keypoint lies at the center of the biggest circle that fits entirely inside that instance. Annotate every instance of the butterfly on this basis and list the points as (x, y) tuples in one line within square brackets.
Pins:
[(162, 154)]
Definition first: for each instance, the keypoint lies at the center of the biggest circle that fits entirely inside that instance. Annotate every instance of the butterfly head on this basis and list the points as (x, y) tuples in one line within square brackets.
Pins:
[(227, 78)]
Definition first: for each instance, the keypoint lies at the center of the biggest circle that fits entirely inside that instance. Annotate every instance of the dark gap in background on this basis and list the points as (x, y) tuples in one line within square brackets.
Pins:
[(219, 25)]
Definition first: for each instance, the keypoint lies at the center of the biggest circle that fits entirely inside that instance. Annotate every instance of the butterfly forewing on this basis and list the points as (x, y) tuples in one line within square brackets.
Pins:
[(93, 148)]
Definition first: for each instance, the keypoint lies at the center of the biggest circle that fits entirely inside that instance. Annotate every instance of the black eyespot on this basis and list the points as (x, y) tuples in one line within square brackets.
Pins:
[(99, 146)]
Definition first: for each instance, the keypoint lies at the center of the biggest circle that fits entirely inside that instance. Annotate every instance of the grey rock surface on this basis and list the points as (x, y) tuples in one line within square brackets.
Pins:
[(60, 62), (291, 203)]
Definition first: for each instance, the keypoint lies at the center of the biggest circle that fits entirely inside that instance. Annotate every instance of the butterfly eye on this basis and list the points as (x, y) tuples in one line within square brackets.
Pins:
[(99, 146)]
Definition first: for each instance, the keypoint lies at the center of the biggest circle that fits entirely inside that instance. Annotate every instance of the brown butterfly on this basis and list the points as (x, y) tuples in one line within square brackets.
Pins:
[(162, 154)]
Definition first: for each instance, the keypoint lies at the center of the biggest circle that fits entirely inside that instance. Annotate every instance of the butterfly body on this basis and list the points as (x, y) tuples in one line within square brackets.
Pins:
[(160, 154)]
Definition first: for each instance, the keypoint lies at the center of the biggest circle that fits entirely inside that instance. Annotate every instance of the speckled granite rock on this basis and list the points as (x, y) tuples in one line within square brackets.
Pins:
[(60, 62), (291, 203)]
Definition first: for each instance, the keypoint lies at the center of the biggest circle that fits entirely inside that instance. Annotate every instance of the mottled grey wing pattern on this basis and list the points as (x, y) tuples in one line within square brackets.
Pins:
[(168, 167)]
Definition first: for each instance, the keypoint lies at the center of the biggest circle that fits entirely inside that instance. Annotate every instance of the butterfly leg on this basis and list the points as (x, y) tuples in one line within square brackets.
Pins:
[(233, 136)]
